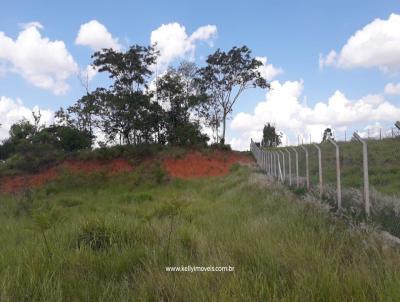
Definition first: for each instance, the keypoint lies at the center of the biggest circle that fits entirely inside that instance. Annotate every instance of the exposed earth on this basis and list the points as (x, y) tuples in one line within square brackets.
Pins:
[(193, 164)]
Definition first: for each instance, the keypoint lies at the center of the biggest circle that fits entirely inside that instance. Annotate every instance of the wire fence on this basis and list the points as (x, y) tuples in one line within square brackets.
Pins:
[(359, 177)]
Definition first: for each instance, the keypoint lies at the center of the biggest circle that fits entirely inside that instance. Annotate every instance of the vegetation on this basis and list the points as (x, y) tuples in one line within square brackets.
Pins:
[(271, 137), (383, 160), (384, 179), (91, 238), (224, 79), (133, 110), (328, 134)]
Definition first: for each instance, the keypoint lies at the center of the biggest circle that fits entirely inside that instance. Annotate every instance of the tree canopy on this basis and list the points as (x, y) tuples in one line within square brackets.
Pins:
[(225, 77), (271, 138), (140, 108)]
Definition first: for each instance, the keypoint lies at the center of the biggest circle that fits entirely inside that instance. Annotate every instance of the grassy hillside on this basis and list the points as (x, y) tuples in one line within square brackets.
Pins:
[(93, 238), (383, 160)]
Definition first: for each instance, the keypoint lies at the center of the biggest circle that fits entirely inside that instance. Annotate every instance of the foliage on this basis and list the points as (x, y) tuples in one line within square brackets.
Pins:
[(33, 146), (271, 137), (225, 77), (328, 134), (177, 90)]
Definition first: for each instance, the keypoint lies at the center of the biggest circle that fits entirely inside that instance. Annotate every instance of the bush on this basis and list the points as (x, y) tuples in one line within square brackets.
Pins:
[(96, 235), (218, 146), (31, 158)]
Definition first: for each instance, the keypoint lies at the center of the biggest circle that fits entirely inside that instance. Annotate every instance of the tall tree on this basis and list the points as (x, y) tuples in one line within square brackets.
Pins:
[(124, 111), (328, 134), (177, 91), (225, 77), (271, 137)]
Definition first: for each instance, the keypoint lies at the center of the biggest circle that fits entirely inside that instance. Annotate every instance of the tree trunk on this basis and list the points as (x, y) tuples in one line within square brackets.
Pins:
[(223, 130)]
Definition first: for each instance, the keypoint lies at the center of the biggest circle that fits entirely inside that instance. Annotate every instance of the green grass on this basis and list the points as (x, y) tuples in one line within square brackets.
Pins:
[(99, 239), (383, 161)]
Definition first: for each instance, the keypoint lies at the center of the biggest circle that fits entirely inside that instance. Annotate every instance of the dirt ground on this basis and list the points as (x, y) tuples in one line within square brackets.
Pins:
[(192, 165)]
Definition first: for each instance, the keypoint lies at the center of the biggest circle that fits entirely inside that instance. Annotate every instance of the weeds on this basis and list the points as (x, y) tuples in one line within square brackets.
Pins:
[(115, 245)]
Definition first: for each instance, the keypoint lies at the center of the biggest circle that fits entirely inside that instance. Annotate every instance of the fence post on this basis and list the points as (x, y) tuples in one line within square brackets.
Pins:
[(261, 160), (307, 168), (265, 161), (279, 172), (276, 164), (365, 173), (270, 163), (338, 183), (283, 165), (297, 166), (321, 187), (290, 167)]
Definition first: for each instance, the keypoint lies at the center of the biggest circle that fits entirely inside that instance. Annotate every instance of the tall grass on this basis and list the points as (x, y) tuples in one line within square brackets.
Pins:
[(111, 239), (383, 161)]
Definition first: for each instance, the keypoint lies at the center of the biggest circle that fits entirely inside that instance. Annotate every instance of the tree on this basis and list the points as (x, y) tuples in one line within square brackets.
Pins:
[(66, 138), (270, 136), (124, 111), (327, 134), (177, 91), (224, 79)]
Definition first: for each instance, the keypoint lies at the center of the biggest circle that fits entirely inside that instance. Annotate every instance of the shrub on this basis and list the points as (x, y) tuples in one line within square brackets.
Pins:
[(96, 235)]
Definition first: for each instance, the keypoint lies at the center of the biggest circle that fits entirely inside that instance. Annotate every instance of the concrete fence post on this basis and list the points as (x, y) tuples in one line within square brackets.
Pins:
[(338, 182), (307, 168), (265, 161), (365, 173), (283, 165), (270, 162), (290, 167), (297, 166), (321, 186), (271, 157), (262, 160), (278, 166)]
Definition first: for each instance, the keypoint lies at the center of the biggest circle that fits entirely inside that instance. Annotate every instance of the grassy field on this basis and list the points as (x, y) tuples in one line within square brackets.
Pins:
[(383, 160), (90, 238)]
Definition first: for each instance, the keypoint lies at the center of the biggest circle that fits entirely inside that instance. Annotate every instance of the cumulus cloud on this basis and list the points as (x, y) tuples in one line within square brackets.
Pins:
[(96, 36), (268, 71), (41, 62), (375, 45), (283, 106), (12, 111), (173, 42), (392, 88)]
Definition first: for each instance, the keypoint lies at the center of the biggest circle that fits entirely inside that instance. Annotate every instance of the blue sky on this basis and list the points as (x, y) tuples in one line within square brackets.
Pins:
[(291, 34)]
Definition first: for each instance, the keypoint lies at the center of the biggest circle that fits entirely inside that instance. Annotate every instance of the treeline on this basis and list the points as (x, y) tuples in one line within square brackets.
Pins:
[(138, 108)]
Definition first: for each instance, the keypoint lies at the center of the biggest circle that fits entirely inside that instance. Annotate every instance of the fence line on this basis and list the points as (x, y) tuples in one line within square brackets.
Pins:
[(283, 164)]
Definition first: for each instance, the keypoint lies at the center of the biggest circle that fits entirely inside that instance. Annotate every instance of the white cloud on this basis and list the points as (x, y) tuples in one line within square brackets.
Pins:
[(87, 74), (96, 36), (173, 42), (45, 64), (284, 108), (392, 88), (268, 71), (12, 111), (375, 45), (328, 60)]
